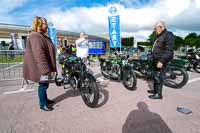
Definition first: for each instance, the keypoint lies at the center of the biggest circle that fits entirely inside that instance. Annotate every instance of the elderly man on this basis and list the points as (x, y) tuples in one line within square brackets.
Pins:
[(162, 53)]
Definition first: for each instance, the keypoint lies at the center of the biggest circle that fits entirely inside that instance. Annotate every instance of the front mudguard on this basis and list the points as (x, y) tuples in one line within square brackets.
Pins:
[(125, 69), (91, 76)]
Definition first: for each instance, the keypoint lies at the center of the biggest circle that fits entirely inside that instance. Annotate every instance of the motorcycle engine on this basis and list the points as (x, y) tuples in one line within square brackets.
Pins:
[(115, 68)]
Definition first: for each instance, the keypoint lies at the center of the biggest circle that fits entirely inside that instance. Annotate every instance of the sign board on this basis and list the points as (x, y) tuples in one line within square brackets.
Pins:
[(114, 28), (52, 33)]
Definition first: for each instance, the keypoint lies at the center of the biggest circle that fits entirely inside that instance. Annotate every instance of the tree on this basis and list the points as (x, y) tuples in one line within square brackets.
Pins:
[(192, 40), (128, 41), (178, 42), (152, 38), (149, 41), (144, 44)]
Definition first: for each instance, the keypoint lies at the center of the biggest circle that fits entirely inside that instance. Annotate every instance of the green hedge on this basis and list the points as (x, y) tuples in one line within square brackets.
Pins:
[(11, 59)]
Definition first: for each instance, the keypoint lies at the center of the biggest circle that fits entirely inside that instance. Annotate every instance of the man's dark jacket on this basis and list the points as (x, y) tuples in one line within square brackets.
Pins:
[(163, 49)]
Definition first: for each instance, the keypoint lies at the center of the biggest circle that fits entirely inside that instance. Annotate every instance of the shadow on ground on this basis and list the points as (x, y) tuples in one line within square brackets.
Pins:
[(67, 94), (103, 94), (142, 120)]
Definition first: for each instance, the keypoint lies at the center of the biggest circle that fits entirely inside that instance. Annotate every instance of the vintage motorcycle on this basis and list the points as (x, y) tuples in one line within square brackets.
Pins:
[(194, 61), (76, 74), (175, 76), (118, 68)]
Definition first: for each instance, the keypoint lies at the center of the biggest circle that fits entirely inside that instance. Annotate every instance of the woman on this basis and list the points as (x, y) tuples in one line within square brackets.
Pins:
[(39, 60)]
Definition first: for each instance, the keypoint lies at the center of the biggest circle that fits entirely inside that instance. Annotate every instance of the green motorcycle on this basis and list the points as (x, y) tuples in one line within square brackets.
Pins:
[(175, 75), (76, 74), (118, 68)]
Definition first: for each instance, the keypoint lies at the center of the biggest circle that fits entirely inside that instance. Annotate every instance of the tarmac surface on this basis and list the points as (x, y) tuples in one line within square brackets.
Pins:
[(119, 110)]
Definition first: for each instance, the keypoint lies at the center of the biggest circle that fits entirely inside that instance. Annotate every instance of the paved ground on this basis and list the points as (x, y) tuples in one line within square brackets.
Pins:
[(119, 110)]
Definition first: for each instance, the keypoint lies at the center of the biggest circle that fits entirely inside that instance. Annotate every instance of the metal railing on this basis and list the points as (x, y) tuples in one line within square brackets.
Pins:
[(11, 62)]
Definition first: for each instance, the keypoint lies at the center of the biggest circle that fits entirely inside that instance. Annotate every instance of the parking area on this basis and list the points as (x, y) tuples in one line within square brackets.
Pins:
[(119, 110)]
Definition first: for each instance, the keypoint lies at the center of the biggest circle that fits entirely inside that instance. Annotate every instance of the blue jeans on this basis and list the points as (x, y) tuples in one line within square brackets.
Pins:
[(42, 94)]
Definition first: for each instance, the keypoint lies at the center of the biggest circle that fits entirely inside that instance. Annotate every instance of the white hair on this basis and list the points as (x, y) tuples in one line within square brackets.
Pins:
[(160, 23)]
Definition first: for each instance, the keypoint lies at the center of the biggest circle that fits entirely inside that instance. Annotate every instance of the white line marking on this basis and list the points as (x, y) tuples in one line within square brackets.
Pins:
[(12, 63), (193, 80), (19, 91)]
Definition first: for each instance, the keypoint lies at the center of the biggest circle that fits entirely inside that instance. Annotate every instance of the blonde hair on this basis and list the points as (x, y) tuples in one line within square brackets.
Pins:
[(36, 24)]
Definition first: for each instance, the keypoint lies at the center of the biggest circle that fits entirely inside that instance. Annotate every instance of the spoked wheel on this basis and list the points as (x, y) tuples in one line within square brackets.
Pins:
[(89, 91), (73, 82), (65, 76), (196, 67), (104, 70), (175, 77), (129, 80)]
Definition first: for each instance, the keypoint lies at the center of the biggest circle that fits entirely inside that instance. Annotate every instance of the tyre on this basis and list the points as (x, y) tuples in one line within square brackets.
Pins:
[(129, 79), (175, 77), (89, 91), (104, 70), (73, 82), (196, 67)]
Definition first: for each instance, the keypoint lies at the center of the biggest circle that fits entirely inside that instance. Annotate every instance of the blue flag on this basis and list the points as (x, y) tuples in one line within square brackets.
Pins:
[(52, 33), (114, 31)]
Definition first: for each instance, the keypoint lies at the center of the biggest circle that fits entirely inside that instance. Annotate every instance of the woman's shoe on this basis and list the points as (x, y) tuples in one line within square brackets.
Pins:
[(46, 108)]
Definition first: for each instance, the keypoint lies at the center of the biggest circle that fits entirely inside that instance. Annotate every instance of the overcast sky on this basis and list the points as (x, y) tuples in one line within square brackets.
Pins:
[(137, 17)]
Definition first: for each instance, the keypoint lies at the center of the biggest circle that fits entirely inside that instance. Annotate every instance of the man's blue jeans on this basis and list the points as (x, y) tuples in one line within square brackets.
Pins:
[(42, 93)]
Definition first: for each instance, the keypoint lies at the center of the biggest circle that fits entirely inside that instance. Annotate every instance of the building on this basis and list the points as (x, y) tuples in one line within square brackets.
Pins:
[(20, 32)]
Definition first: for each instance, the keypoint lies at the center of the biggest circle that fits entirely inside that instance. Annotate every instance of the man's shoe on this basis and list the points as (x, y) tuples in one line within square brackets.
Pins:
[(155, 96), (50, 101), (151, 91), (46, 108)]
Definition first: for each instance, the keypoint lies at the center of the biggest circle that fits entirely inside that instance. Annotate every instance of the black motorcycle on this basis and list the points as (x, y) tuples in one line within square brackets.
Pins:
[(76, 74), (194, 61), (175, 75), (118, 68)]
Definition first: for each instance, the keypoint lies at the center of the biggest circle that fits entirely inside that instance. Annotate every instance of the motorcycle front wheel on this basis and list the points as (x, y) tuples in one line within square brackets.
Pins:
[(196, 67), (89, 91), (104, 71), (175, 77), (129, 79)]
